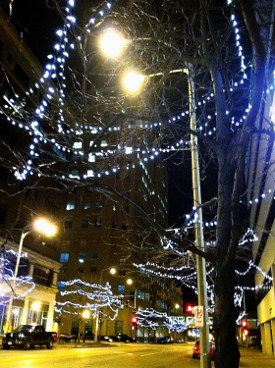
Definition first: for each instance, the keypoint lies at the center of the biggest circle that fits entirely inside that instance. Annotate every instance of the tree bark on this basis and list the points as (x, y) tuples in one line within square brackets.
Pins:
[(227, 352)]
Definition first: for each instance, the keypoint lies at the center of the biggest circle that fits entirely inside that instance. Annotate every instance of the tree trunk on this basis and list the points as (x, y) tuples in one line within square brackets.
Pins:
[(227, 351)]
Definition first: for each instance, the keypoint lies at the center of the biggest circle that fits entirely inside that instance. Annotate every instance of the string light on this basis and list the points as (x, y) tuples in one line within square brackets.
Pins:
[(97, 298)]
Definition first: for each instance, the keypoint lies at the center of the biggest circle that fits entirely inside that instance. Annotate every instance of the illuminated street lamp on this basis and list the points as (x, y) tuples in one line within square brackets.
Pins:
[(112, 43), (36, 306), (86, 314), (133, 81), (42, 226), (129, 282), (112, 271), (177, 306)]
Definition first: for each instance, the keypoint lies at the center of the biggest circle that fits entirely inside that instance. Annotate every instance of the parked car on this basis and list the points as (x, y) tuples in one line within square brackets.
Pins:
[(124, 338), (165, 340), (196, 349), (27, 336)]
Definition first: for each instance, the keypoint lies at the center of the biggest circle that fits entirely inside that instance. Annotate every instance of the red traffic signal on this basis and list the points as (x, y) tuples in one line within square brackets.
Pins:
[(244, 323), (189, 308), (134, 320)]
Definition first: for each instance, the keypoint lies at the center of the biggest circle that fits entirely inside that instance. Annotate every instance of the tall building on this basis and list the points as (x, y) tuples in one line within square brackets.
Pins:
[(105, 231)]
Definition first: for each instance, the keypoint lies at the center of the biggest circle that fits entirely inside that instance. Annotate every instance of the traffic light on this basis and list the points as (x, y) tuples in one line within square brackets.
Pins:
[(244, 323), (134, 320), (189, 308)]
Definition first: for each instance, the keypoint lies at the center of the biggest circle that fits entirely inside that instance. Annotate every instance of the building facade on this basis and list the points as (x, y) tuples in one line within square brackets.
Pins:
[(261, 180), (33, 301)]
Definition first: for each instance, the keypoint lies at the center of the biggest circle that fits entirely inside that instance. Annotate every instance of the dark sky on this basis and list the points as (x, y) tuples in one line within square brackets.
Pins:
[(37, 23), (38, 20)]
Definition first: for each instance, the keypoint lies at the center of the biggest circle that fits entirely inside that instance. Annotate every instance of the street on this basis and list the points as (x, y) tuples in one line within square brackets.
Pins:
[(119, 356)]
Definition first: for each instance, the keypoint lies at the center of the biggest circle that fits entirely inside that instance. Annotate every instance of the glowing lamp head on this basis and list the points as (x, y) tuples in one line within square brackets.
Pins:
[(112, 271), (36, 306), (133, 81), (189, 308), (112, 43), (45, 227), (129, 281), (177, 306), (86, 314)]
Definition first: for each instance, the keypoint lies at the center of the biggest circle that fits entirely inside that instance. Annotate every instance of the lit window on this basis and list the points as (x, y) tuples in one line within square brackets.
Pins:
[(77, 145), (60, 285), (81, 257), (70, 206), (121, 289), (91, 157), (90, 174), (99, 204), (103, 143), (64, 257), (128, 150), (87, 205)]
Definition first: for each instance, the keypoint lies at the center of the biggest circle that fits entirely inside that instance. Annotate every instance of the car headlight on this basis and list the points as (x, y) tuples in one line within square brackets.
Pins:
[(21, 335)]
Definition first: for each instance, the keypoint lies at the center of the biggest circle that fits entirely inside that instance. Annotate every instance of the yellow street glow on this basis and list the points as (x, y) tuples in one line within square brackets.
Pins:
[(129, 281), (132, 81), (112, 271), (112, 43), (86, 314), (45, 227), (36, 306)]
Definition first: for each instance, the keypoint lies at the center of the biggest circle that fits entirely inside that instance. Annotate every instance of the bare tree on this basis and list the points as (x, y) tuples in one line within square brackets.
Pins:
[(163, 40)]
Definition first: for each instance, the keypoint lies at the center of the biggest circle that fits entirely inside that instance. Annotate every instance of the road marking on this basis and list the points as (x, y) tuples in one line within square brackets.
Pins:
[(158, 352)]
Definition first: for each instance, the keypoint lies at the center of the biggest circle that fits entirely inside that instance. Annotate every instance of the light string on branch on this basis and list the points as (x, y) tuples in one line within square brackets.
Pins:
[(97, 299), (58, 62), (11, 286)]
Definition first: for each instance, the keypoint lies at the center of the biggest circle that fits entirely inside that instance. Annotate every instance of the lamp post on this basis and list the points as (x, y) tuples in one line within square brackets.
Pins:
[(133, 82), (42, 226), (112, 271)]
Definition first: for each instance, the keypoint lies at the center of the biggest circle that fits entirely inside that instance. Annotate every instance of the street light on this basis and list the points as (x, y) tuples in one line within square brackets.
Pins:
[(41, 225), (132, 81), (112, 42), (129, 282), (199, 236), (112, 271)]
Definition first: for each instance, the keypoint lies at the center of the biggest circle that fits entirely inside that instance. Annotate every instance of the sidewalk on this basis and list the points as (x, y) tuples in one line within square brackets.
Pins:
[(253, 358)]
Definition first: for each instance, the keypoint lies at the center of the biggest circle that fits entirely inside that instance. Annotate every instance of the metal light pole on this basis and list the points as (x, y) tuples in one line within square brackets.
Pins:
[(201, 271), (112, 271), (43, 226), (8, 316), (136, 81)]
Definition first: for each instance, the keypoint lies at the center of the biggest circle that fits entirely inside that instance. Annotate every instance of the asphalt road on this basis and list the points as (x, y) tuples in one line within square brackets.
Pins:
[(118, 356), (107, 356)]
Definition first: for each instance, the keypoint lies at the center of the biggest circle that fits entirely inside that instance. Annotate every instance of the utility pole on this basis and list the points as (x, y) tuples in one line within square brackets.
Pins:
[(198, 224)]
